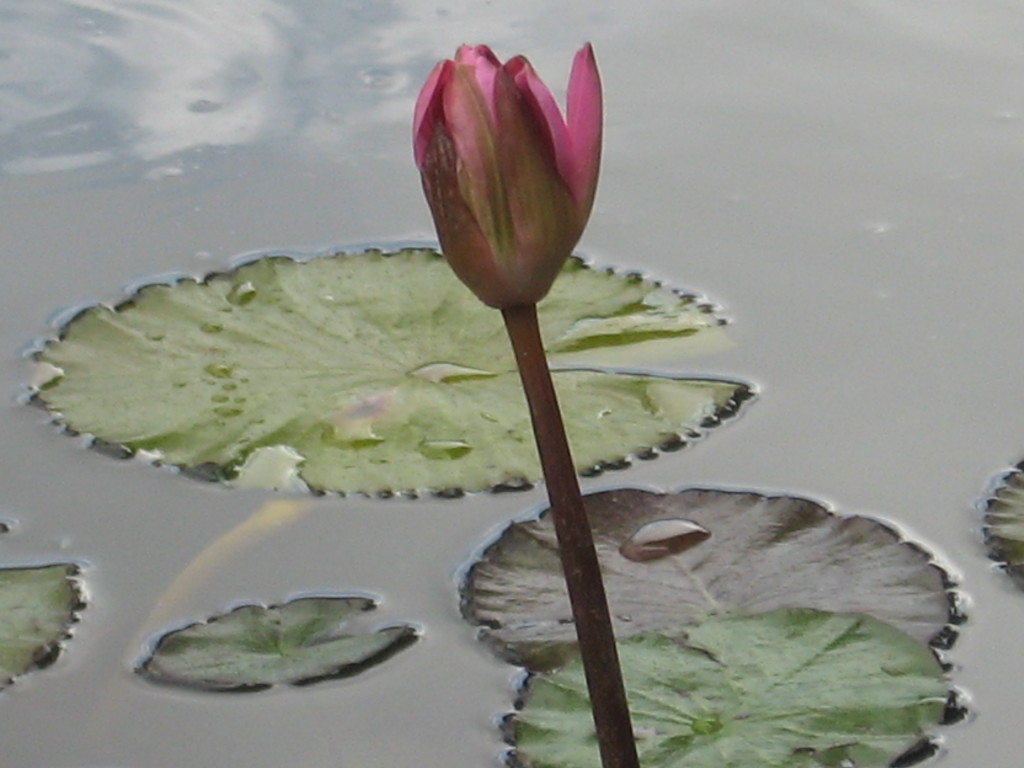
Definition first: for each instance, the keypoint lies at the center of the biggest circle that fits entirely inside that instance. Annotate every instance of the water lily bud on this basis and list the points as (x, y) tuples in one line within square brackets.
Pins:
[(509, 180)]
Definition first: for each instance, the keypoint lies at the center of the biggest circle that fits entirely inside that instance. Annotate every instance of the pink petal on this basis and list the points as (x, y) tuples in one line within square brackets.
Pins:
[(485, 66), (428, 109), (463, 243), (584, 115), (542, 210), (469, 121), (545, 109), (468, 116)]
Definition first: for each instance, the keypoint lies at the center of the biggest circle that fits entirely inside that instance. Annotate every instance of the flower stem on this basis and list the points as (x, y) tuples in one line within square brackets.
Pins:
[(575, 544)]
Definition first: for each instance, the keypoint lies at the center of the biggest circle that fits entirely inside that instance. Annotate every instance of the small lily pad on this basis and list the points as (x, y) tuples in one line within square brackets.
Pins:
[(376, 373), (792, 688), (1004, 524), (761, 553), (254, 647), (37, 607)]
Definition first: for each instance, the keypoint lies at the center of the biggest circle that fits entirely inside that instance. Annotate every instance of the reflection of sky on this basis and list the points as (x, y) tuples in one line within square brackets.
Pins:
[(87, 81), (84, 82), (90, 81)]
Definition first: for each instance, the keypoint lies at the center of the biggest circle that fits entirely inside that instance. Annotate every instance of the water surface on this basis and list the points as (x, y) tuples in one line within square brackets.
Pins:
[(844, 178)]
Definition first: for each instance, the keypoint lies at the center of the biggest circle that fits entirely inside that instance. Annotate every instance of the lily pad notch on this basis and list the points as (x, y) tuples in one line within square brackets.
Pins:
[(377, 373)]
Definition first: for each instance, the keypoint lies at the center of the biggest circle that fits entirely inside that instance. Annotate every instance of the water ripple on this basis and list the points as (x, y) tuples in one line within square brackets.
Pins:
[(87, 81)]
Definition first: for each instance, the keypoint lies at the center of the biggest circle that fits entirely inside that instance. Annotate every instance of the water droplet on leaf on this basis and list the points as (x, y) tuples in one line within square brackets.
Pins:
[(242, 294), (663, 538), (705, 726), (450, 372), (218, 370), (444, 449)]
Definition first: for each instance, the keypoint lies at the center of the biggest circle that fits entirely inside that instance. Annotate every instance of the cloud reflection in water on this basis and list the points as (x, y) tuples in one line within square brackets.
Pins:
[(93, 80), (87, 82)]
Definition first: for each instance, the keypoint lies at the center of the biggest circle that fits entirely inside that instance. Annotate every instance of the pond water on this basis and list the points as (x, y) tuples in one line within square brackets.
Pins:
[(844, 178)]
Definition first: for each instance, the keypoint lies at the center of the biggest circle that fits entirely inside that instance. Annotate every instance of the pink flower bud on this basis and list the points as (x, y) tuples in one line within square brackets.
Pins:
[(509, 181)]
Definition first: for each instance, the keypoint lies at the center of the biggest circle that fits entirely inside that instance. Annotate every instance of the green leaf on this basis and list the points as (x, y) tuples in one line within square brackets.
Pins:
[(37, 606), (254, 647), (787, 689), (376, 373), (1004, 524), (763, 553)]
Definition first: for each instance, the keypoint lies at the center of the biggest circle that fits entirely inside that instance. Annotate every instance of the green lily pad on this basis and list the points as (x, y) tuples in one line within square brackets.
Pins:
[(787, 689), (37, 607), (376, 373), (763, 553), (254, 647), (1004, 524)]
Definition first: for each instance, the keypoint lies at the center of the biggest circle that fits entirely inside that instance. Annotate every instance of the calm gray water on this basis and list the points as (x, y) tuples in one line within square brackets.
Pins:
[(843, 177)]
